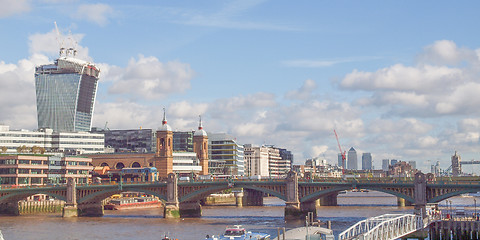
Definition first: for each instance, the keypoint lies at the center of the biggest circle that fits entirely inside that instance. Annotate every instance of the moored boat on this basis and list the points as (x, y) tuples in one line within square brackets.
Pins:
[(132, 202), (239, 233)]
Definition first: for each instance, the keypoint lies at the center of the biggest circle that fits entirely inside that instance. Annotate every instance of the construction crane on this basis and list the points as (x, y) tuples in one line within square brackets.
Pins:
[(341, 152)]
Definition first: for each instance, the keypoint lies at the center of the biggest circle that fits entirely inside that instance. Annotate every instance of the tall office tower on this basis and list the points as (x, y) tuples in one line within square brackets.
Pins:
[(367, 161), (352, 159), (66, 93), (340, 161), (385, 164), (456, 165)]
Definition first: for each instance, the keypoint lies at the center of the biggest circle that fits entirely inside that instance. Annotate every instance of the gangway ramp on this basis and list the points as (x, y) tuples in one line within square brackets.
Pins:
[(387, 226)]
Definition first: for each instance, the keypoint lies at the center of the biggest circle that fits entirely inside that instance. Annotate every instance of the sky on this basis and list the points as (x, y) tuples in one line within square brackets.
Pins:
[(398, 79)]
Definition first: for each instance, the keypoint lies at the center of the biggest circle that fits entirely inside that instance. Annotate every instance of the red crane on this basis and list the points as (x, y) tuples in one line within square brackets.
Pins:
[(341, 152)]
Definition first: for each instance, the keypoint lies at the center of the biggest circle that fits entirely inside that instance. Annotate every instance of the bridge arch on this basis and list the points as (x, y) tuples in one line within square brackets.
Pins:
[(17, 196), (204, 192), (445, 196), (325, 192), (103, 194)]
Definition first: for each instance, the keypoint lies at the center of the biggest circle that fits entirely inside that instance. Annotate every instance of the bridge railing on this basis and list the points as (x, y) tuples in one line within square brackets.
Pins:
[(387, 226)]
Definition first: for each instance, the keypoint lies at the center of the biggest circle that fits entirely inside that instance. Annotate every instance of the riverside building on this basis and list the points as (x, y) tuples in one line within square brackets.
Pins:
[(41, 169), (267, 161), (226, 155), (70, 143)]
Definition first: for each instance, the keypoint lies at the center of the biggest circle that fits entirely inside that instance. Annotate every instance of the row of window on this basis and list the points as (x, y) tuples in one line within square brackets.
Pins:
[(41, 171), (40, 162)]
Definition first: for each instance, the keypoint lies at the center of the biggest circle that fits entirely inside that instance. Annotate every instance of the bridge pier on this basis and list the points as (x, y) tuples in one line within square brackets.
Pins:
[(328, 200), (252, 198), (401, 202), (190, 209), (70, 208), (239, 199), (172, 209), (9, 209), (420, 193), (92, 209)]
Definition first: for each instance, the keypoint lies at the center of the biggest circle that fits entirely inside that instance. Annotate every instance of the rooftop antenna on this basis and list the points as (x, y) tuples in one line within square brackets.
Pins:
[(60, 43)]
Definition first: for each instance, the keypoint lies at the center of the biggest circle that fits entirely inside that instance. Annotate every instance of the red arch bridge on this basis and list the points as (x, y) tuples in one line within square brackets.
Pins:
[(182, 199)]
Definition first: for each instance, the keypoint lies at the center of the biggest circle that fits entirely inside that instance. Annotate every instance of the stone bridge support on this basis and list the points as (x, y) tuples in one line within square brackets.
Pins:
[(70, 208), (190, 209), (9, 209), (420, 193), (252, 198), (401, 202), (172, 208), (293, 209), (90, 209), (328, 200)]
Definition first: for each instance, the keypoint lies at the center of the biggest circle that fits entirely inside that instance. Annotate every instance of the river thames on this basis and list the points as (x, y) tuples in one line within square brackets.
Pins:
[(150, 224)]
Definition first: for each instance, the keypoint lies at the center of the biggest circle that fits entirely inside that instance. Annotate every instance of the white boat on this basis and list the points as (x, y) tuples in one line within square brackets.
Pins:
[(1, 236), (239, 233)]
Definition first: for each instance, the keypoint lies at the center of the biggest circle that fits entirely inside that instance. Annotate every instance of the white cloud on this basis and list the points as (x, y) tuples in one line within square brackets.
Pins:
[(17, 93), (149, 78), (425, 78), (11, 7), (303, 92), (445, 52), (50, 43), (184, 109), (318, 150), (445, 81), (96, 13)]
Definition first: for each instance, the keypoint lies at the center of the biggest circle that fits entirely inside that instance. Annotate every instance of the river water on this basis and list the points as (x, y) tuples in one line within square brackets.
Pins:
[(150, 224)]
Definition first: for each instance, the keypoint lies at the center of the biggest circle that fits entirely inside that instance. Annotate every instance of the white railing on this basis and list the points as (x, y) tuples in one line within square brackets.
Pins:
[(387, 226)]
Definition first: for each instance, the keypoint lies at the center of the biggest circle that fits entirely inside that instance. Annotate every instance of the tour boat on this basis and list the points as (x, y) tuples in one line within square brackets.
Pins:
[(132, 203), (239, 233)]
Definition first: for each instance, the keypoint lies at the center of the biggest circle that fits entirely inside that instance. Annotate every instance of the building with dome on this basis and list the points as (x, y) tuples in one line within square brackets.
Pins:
[(166, 158)]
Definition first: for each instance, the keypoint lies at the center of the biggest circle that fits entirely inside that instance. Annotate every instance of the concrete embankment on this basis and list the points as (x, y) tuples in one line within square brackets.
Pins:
[(34, 207)]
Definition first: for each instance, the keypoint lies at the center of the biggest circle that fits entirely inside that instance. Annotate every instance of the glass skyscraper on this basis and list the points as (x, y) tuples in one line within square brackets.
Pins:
[(66, 93)]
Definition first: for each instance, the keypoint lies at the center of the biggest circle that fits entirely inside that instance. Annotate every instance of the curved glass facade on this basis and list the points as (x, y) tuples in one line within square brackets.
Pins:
[(66, 95)]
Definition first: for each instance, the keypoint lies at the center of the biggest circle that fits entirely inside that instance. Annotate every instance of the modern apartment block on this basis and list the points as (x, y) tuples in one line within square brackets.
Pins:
[(226, 156), (256, 161), (69, 143), (267, 161), (66, 93), (42, 169)]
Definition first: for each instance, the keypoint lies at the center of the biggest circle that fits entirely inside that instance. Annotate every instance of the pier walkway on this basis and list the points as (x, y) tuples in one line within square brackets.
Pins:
[(387, 226)]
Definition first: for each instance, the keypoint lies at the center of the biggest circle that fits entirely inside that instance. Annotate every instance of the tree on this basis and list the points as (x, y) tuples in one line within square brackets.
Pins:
[(4, 149)]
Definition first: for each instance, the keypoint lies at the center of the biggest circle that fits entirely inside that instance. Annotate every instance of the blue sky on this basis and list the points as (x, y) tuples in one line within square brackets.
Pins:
[(399, 79)]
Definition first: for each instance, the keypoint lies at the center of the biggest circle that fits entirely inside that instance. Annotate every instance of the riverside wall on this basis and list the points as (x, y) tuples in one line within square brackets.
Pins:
[(35, 207)]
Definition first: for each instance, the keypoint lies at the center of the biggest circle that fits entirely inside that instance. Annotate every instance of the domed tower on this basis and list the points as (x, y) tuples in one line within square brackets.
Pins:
[(200, 147), (164, 155)]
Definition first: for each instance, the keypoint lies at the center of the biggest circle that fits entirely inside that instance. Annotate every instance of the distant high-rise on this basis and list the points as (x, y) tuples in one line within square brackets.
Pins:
[(385, 164), (340, 161), (456, 164), (366, 161), (352, 159), (66, 93)]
